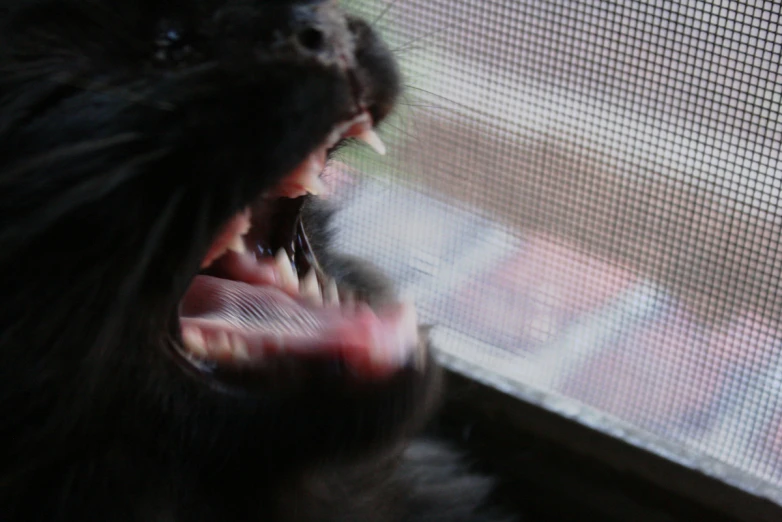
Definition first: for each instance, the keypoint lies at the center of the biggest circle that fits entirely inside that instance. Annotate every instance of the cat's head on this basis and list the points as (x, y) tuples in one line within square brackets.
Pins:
[(138, 141)]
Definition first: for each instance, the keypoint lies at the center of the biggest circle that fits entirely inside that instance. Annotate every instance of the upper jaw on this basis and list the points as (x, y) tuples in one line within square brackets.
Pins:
[(306, 177)]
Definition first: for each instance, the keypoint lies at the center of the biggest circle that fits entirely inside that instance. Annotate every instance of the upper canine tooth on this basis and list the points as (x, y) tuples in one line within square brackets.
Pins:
[(246, 223), (309, 288), (237, 245), (288, 276), (334, 136), (314, 185), (371, 138)]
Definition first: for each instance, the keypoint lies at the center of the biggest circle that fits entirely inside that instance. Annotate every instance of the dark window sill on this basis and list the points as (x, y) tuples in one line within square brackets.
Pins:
[(555, 469)]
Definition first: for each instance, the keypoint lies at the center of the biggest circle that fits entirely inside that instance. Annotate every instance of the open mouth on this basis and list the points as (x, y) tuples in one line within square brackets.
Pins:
[(262, 294)]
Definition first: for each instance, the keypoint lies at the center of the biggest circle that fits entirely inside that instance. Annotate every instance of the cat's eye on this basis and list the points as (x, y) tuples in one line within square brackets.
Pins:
[(172, 35), (171, 43)]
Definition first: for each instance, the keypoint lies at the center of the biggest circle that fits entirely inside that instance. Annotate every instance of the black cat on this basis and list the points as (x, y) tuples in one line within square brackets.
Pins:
[(177, 342)]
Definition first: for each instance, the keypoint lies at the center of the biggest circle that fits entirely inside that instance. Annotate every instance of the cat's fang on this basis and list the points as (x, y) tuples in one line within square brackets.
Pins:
[(371, 138), (310, 289), (237, 245), (230, 238), (289, 279), (360, 128), (305, 179)]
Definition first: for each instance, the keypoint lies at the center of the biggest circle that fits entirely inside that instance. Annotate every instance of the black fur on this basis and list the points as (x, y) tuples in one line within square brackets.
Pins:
[(129, 132)]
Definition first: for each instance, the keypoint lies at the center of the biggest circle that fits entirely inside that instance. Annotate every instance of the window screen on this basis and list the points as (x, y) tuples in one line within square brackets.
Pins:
[(583, 199)]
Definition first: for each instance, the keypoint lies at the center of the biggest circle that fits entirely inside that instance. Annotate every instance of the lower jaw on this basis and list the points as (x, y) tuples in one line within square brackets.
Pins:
[(369, 344), (326, 376)]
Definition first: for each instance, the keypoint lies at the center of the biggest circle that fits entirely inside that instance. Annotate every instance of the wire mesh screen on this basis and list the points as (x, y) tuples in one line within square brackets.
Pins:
[(583, 199)]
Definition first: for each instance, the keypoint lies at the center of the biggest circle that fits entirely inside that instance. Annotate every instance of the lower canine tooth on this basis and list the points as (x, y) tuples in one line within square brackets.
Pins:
[(309, 288), (371, 138), (287, 275)]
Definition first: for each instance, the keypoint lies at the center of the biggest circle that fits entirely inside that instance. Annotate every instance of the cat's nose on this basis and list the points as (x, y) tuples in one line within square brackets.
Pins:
[(311, 40), (320, 31), (305, 29)]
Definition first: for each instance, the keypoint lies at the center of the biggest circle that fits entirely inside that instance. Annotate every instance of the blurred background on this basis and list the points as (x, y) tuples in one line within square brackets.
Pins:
[(583, 199)]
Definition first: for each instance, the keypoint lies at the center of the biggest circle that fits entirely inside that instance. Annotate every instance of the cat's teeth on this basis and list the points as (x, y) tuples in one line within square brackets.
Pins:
[(237, 245), (220, 345), (371, 138), (309, 288), (314, 185), (334, 136), (247, 213), (239, 348), (330, 293), (315, 164), (288, 276), (309, 180), (193, 340)]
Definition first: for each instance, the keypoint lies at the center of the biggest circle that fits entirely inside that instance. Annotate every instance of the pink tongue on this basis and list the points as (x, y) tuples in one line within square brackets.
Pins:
[(269, 322)]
